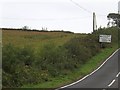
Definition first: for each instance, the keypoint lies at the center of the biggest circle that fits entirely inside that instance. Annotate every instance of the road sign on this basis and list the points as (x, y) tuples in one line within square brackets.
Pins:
[(105, 38)]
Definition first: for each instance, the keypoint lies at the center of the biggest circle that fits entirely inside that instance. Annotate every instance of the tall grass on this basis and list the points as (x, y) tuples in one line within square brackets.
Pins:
[(27, 65)]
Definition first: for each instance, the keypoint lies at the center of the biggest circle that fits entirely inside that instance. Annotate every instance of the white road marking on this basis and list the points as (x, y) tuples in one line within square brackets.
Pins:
[(118, 74), (111, 83), (114, 80), (90, 73), (75, 82)]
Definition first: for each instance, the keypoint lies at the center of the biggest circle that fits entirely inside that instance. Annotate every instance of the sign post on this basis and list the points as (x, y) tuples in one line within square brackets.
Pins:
[(104, 39)]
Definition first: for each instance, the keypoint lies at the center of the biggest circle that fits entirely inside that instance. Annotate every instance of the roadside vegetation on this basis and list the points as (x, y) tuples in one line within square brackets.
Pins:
[(52, 59)]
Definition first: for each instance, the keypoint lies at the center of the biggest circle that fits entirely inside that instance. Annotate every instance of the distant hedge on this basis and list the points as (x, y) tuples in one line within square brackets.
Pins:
[(36, 30)]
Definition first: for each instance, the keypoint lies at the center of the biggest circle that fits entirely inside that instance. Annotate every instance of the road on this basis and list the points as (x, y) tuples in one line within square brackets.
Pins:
[(106, 76)]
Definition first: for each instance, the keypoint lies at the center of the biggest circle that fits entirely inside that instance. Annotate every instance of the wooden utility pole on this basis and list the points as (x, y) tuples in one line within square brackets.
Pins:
[(94, 22)]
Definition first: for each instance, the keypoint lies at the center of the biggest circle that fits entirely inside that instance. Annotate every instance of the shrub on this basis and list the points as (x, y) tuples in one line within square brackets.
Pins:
[(17, 66), (24, 65)]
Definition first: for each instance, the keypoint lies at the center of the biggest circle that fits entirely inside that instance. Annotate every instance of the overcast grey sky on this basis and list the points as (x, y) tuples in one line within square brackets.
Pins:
[(56, 14)]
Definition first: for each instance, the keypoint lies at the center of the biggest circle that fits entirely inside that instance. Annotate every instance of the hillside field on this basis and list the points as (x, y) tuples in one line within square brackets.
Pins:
[(51, 59), (36, 39)]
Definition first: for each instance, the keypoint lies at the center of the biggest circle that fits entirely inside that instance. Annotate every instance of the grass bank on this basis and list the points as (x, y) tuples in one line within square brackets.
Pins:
[(91, 65), (50, 59)]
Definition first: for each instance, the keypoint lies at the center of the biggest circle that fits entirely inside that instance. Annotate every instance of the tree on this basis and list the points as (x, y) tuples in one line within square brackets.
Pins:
[(115, 17), (25, 27)]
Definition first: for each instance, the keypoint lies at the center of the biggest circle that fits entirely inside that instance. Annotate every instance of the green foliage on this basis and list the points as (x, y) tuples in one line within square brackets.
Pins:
[(114, 31), (17, 66), (81, 49), (24, 65), (9, 58)]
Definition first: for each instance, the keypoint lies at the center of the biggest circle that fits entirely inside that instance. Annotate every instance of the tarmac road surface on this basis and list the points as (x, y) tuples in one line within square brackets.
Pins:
[(106, 76)]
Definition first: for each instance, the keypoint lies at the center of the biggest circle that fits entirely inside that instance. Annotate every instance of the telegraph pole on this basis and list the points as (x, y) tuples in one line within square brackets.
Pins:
[(94, 22)]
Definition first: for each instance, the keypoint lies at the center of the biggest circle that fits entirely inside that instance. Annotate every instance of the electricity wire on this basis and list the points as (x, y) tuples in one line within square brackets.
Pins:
[(81, 7)]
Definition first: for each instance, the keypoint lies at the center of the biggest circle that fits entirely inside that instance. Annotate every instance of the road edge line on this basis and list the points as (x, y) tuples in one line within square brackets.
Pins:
[(111, 83), (90, 73), (118, 74)]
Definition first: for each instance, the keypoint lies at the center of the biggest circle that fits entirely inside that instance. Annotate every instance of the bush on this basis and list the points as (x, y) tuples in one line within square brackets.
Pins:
[(81, 49), (24, 65), (18, 66), (52, 58), (9, 58)]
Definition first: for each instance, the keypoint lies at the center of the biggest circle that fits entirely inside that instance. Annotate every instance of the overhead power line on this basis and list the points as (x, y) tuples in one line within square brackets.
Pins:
[(81, 7)]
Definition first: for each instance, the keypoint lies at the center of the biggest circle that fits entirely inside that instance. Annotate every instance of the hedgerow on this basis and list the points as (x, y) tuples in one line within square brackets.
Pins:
[(24, 65)]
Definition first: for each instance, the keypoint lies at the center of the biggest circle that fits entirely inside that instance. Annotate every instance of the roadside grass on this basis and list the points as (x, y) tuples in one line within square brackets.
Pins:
[(83, 70)]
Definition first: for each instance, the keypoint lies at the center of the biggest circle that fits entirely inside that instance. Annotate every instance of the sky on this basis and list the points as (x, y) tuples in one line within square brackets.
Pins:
[(67, 15)]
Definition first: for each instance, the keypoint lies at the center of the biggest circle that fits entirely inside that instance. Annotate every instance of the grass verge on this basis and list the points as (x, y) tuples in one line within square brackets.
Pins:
[(85, 69)]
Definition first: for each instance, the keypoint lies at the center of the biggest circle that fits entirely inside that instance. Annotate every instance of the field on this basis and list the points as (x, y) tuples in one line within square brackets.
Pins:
[(51, 59), (31, 48), (36, 39)]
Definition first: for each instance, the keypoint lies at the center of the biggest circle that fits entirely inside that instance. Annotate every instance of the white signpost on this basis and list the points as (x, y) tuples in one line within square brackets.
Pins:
[(105, 38)]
